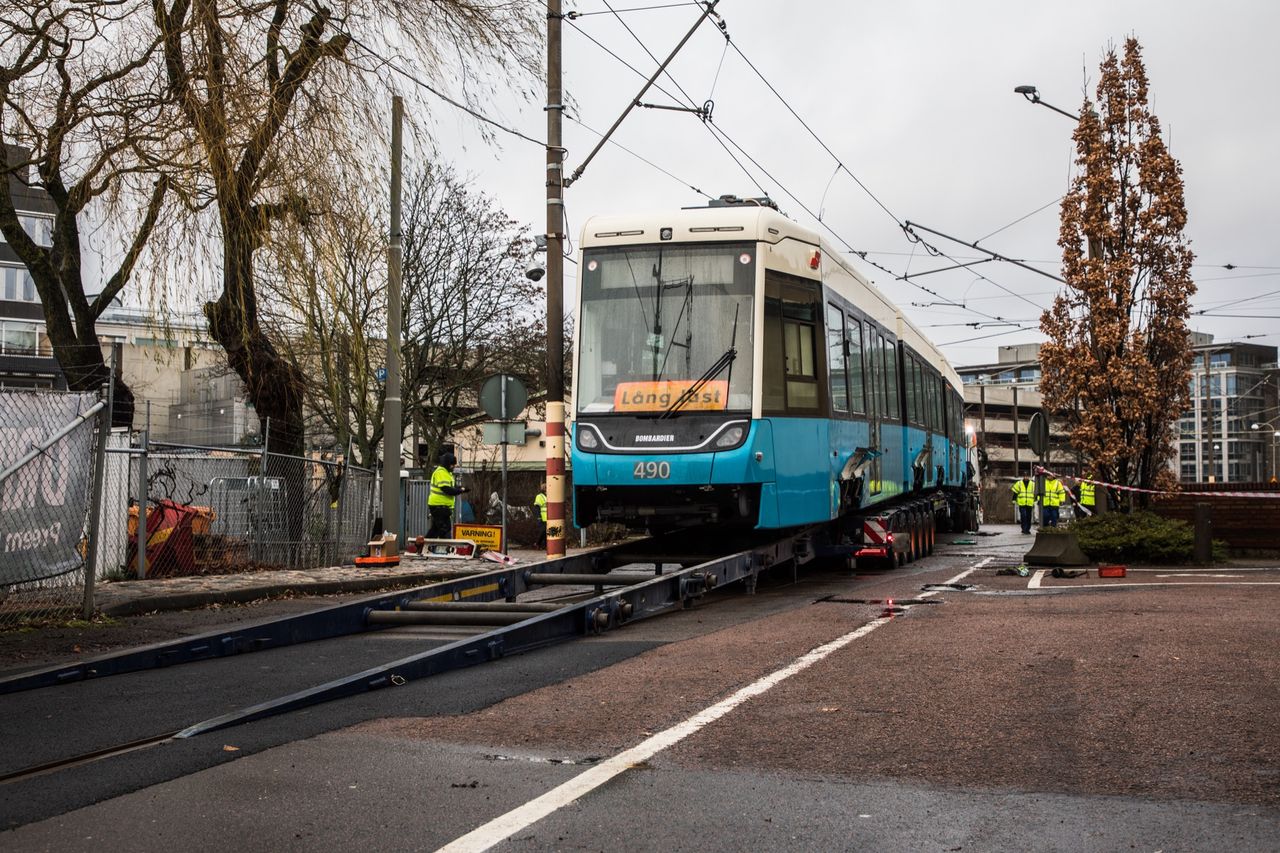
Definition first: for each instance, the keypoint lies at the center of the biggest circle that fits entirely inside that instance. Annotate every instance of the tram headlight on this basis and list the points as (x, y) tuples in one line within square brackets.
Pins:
[(731, 437), (587, 439)]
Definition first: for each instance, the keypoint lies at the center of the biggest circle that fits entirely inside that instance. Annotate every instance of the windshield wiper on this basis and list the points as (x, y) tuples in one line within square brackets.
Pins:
[(725, 360)]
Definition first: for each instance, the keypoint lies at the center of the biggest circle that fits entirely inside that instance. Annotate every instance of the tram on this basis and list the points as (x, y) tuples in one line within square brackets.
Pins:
[(732, 368)]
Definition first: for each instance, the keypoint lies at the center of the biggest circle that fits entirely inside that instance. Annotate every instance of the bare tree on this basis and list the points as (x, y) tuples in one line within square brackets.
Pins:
[(83, 119), (325, 310), (282, 98), (469, 311), (1118, 357)]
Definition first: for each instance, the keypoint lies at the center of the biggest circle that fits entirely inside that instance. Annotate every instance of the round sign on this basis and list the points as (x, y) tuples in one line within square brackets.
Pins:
[(491, 397)]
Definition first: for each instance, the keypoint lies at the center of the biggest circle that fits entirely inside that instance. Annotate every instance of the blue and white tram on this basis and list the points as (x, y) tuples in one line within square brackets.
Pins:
[(730, 367)]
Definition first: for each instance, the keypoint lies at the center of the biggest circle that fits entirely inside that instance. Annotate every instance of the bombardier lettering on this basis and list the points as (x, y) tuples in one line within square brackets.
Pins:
[(655, 438)]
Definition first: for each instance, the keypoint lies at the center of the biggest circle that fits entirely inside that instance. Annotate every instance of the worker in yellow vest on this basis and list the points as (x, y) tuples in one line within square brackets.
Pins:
[(443, 493), (1087, 499), (540, 504), (1024, 498), (1055, 494)]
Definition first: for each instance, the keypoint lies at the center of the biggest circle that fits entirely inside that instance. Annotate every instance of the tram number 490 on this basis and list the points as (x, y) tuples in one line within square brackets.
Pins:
[(652, 470)]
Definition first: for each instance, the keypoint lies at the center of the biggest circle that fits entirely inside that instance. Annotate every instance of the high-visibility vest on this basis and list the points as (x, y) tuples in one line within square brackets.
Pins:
[(541, 503), (1054, 493), (1024, 493), (1086, 494), (440, 477)]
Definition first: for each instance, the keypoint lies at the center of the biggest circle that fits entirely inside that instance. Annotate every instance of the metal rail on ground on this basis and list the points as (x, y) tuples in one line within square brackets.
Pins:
[(321, 624), (499, 585), (656, 594)]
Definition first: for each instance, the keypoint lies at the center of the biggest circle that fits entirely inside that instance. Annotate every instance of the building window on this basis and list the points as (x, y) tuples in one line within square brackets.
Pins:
[(18, 338), (16, 285), (1220, 359)]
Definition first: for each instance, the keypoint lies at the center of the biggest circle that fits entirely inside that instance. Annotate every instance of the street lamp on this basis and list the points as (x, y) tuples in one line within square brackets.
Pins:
[(1275, 443), (1032, 94)]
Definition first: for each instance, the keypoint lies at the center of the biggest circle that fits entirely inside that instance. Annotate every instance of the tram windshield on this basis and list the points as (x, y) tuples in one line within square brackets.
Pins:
[(666, 329)]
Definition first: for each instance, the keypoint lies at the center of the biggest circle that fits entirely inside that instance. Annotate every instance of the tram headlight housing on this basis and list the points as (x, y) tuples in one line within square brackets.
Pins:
[(587, 439), (731, 437)]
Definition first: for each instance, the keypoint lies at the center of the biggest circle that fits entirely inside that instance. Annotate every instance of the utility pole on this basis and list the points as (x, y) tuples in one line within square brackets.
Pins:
[(392, 428), (555, 289), (556, 182)]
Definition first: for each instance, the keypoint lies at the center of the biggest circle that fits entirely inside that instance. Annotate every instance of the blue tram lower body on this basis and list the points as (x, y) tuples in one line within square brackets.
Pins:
[(786, 473)]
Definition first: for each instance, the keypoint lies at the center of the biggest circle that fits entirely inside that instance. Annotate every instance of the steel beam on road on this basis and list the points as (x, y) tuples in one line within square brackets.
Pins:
[(493, 606), (322, 624), (655, 595), (445, 617), (609, 579)]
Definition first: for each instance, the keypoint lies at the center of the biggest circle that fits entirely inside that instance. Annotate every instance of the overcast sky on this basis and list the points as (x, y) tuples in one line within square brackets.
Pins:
[(916, 100)]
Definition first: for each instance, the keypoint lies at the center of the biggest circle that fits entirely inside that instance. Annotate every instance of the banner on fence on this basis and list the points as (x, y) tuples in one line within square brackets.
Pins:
[(44, 504)]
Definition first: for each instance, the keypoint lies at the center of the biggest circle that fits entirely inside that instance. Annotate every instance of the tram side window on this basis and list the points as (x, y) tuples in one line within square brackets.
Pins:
[(875, 371), (791, 335), (837, 360), (916, 394), (937, 405), (857, 402), (894, 411)]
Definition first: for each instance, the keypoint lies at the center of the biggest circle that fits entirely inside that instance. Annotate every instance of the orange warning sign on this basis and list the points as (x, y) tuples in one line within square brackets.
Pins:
[(660, 395)]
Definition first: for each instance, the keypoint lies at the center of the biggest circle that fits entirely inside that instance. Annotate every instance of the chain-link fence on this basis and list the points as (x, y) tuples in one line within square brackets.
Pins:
[(46, 487), (219, 510)]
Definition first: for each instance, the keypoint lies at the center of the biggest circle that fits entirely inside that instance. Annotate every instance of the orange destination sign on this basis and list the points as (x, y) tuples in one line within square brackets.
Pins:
[(660, 395)]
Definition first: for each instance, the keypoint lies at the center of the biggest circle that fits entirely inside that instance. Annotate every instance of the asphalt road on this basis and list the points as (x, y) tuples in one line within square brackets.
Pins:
[(1010, 717)]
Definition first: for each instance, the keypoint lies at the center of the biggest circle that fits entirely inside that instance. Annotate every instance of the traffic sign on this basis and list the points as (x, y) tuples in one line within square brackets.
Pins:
[(380, 374), (503, 397), (1038, 434)]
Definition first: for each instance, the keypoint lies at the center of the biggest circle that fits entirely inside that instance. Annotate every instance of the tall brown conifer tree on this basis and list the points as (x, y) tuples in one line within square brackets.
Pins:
[(1118, 357)]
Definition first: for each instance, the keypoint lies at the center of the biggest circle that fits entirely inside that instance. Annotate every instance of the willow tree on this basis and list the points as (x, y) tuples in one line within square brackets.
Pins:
[(286, 100), (1118, 358)]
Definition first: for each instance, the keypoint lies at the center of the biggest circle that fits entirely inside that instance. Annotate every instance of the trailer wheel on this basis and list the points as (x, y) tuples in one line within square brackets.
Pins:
[(932, 530), (913, 529)]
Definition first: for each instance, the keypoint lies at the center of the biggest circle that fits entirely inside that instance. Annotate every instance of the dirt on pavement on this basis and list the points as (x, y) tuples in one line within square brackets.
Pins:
[(1165, 693)]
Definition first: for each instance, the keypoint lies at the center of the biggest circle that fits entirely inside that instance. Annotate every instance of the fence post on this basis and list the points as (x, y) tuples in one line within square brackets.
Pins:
[(338, 553), (258, 545), (95, 499), (1203, 545), (143, 496)]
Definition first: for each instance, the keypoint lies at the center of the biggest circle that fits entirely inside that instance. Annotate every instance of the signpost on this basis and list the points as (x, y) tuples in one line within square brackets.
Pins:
[(503, 398), (1038, 438)]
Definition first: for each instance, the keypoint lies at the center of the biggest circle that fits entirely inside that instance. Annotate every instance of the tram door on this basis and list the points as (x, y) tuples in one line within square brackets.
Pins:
[(875, 405)]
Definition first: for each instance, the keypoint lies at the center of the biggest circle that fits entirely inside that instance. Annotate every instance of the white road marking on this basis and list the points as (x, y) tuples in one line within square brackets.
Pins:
[(1162, 583), (1034, 583), (1197, 575), (504, 826)]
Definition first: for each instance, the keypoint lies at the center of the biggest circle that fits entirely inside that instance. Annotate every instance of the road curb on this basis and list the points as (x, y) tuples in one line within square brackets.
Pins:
[(204, 598)]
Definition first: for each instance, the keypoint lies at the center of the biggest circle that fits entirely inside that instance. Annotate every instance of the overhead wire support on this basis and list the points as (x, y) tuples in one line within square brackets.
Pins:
[(577, 173), (703, 112), (909, 225)]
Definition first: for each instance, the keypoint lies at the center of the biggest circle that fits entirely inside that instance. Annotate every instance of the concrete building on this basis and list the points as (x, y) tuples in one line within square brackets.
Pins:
[(1000, 399)]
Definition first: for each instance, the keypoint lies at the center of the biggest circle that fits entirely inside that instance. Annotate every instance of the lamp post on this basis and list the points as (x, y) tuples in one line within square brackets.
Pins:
[(1093, 245), (1275, 443)]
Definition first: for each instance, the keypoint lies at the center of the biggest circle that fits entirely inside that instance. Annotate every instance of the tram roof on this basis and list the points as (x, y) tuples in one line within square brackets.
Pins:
[(747, 221)]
